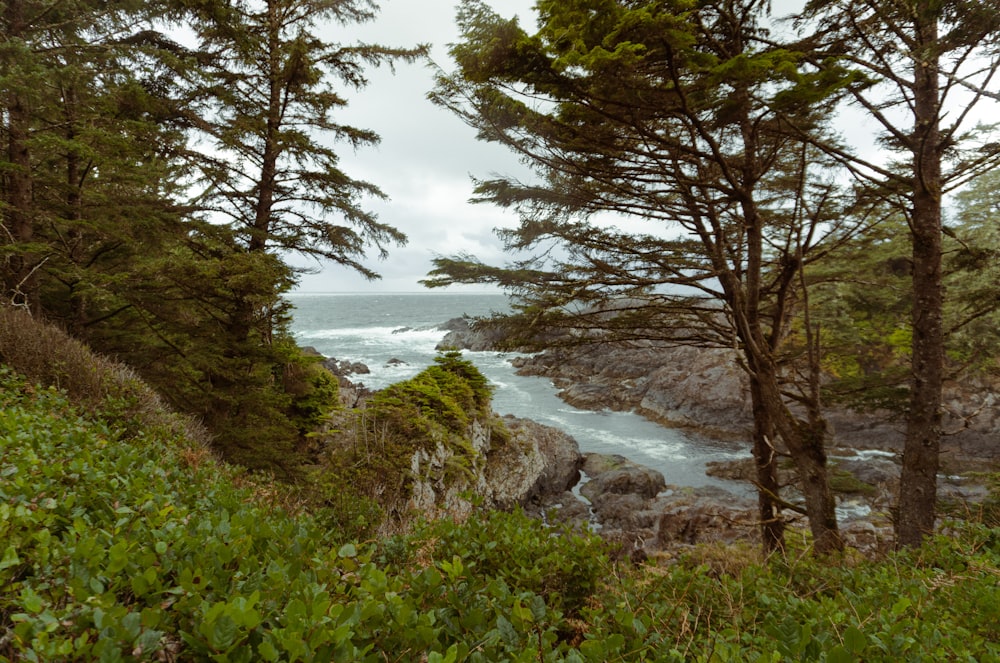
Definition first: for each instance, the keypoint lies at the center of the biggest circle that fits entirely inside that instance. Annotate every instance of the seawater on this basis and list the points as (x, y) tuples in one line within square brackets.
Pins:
[(395, 336)]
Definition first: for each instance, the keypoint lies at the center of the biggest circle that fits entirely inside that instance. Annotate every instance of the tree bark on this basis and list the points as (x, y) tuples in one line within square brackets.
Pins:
[(805, 442), (772, 527), (20, 283), (918, 480)]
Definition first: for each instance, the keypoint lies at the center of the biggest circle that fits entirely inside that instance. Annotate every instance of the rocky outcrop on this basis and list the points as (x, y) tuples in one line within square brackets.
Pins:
[(706, 389), (616, 475), (462, 335), (630, 505), (560, 454), (677, 387), (529, 463)]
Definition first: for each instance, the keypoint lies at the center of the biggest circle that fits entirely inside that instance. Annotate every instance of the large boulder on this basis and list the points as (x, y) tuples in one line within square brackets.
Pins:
[(702, 515), (612, 474), (532, 462), (513, 471), (697, 387), (560, 453)]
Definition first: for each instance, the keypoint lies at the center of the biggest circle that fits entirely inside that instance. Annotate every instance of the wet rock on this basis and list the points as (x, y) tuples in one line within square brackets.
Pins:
[(563, 508), (464, 336), (561, 456), (704, 388), (345, 367), (870, 469), (618, 475)]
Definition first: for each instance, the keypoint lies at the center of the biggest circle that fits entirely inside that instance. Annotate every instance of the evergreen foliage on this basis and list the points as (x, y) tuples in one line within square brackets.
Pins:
[(695, 123), (150, 194), (926, 68), (863, 300)]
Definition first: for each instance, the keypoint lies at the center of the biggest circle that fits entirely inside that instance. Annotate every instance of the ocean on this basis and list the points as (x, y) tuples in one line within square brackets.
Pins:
[(395, 336)]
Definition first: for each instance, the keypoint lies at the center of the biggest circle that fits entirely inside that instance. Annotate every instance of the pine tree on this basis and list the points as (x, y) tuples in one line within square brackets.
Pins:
[(680, 117), (927, 66)]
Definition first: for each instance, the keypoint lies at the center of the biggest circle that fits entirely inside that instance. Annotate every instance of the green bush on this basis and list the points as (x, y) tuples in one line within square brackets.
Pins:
[(119, 545), (120, 548), (372, 452), (561, 566)]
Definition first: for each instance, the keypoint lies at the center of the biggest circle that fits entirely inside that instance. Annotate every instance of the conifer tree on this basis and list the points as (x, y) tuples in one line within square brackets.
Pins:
[(928, 66), (260, 93), (266, 93), (675, 115)]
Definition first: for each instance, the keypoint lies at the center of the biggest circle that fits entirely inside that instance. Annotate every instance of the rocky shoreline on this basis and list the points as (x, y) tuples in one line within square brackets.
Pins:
[(545, 473), (706, 390)]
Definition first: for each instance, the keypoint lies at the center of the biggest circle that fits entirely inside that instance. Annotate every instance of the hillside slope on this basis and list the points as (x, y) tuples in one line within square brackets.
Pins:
[(122, 539)]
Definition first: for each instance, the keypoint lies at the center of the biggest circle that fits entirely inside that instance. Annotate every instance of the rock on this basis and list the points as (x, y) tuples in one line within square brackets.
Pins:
[(563, 508), (701, 515), (560, 453), (352, 394), (513, 472), (395, 362), (867, 538), (342, 368), (618, 475), (437, 492), (455, 324), (704, 388), (875, 470), (463, 336), (624, 511), (535, 462)]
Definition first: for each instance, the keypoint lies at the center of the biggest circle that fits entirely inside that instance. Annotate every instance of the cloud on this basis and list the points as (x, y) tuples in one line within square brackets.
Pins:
[(426, 156)]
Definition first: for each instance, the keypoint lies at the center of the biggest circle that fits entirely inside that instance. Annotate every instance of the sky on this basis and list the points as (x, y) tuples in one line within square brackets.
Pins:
[(427, 155), (425, 158)]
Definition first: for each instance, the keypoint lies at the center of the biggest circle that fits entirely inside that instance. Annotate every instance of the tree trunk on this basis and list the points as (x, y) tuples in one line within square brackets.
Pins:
[(805, 442), (20, 282), (244, 318), (918, 480), (772, 527)]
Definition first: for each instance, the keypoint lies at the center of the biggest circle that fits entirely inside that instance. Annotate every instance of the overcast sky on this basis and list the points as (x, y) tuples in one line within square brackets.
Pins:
[(426, 156)]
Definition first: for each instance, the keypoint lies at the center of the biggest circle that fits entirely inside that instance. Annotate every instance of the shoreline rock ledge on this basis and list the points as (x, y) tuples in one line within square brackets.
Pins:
[(704, 389)]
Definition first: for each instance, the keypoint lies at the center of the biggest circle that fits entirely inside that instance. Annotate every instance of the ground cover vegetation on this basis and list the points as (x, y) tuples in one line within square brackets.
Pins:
[(150, 191), (124, 538), (691, 187)]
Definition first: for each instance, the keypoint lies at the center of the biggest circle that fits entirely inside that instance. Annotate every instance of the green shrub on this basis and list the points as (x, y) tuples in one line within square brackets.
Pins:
[(371, 455), (48, 356), (561, 566), (121, 545)]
